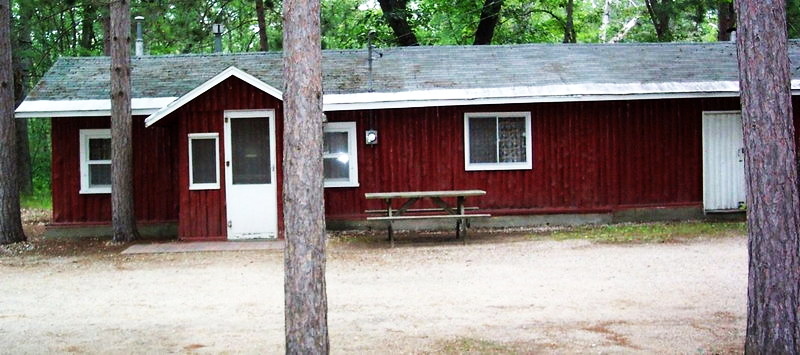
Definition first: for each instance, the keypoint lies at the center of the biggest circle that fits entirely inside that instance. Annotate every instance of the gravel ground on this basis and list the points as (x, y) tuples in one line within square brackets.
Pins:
[(502, 297)]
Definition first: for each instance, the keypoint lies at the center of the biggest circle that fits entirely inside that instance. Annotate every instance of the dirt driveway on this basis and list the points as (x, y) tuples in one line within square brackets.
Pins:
[(522, 296)]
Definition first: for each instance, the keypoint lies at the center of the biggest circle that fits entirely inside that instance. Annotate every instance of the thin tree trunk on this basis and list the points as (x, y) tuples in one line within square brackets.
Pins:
[(123, 219), (490, 15), (106, 22), (726, 20), (605, 21), (10, 220), (625, 30), (303, 208), (263, 42), (396, 14), (660, 12), (773, 215), (88, 19), (569, 23)]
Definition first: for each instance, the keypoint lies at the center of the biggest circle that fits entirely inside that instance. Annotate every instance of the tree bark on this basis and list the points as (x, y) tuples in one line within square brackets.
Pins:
[(88, 18), (10, 220), (123, 220), (773, 215), (605, 21), (263, 42), (726, 20), (303, 208), (660, 12), (395, 13), (569, 23), (490, 15), (106, 22)]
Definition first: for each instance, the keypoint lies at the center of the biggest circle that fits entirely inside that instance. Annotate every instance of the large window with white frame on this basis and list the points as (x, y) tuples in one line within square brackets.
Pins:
[(340, 155), (203, 161), (95, 161), (497, 141)]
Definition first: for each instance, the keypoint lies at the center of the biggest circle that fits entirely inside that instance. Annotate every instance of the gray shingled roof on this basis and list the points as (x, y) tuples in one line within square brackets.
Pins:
[(418, 68)]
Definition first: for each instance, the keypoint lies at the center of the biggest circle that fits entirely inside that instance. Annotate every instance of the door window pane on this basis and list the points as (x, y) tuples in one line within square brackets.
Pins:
[(204, 160), (250, 151)]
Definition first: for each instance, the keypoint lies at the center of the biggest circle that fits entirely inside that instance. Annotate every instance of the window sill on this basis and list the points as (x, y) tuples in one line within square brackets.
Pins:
[(200, 187), (95, 191), (341, 184), (498, 166)]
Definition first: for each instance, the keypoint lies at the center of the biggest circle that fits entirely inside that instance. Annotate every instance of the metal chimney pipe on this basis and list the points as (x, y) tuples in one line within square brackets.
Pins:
[(217, 30), (370, 48), (139, 36)]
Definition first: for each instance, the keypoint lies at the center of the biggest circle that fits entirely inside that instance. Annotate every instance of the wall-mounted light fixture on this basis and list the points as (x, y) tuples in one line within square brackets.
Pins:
[(371, 137)]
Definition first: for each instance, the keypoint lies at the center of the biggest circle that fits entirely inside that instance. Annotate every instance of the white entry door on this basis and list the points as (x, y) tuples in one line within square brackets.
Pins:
[(723, 161), (250, 178)]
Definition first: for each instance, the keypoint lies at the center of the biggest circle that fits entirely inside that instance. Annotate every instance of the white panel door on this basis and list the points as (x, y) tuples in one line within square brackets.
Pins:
[(723, 161), (250, 178)]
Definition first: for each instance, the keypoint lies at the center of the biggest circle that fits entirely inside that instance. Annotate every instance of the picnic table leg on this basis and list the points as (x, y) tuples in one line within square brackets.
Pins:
[(461, 225), (391, 235)]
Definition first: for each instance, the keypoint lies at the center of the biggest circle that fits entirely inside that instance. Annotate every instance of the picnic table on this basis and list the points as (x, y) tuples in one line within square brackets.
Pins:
[(443, 209)]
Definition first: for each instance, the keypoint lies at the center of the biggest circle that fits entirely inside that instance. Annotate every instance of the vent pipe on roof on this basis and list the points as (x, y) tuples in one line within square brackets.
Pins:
[(732, 35), (217, 30), (139, 36)]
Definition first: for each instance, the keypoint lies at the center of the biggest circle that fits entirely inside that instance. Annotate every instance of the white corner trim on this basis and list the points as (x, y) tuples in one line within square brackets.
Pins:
[(86, 108), (191, 95)]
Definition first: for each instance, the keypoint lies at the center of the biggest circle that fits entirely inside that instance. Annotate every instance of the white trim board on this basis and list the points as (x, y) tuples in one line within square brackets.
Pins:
[(216, 80), (87, 108)]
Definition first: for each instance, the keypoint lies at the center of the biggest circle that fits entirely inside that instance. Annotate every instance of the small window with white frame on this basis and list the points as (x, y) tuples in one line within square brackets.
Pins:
[(203, 161), (497, 141), (95, 160), (340, 154)]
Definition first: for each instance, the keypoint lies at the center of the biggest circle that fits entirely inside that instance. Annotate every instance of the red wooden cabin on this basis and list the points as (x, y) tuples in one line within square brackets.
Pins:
[(552, 133)]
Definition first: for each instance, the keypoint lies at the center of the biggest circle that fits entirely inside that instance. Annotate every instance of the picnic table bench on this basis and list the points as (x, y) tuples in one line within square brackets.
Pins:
[(443, 211)]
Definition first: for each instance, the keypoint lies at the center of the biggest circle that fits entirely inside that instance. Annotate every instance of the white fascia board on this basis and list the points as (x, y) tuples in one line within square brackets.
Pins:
[(86, 108), (534, 94), (191, 95)]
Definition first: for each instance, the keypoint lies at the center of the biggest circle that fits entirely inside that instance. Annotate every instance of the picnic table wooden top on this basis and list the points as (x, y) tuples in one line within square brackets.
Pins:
[(419, 194)]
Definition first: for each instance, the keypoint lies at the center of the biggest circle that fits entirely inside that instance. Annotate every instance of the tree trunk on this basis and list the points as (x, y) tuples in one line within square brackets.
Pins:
[(395, 13), (606, 20), (88, 18), (123, 220), (726, 20), (569, 23), (303, 207), (660, 12), (262, 26), (10, 221), (490, 15), (106, 20), (22, 67), (773, 215)]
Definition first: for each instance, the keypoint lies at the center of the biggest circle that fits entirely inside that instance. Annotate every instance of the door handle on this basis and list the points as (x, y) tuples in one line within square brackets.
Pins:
[(230, 224), (228, 163)]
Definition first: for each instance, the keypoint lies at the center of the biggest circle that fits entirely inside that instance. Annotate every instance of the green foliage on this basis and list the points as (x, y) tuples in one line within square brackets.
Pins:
[(39, 138), (649, 232)]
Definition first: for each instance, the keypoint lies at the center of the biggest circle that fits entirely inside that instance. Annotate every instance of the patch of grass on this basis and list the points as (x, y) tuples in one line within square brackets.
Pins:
[(41, 200), (475, 346), (648, 232)]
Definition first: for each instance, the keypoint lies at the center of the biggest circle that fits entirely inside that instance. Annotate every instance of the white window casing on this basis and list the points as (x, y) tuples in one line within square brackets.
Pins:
[(496, 163), (350, 157), (86, 162), (204, 185)]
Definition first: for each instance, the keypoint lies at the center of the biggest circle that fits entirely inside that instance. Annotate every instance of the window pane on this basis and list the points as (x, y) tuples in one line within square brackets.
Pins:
[(204, 160), (512, 139), (99, 175), (336, 168), (99, 149), (250, 151), (482, 139), (335, 142)]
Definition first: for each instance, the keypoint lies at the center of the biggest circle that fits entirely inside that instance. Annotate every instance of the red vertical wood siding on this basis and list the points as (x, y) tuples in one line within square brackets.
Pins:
[(202, 212), (154, 174)]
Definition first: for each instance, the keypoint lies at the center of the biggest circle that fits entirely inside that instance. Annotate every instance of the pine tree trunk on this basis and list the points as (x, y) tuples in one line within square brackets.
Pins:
[(303, 207), (396, 14), (773, 215), (569, 23), (88, 19), (263, 42), (726, 20), (490, 15), (10, 221), (123, 220)]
